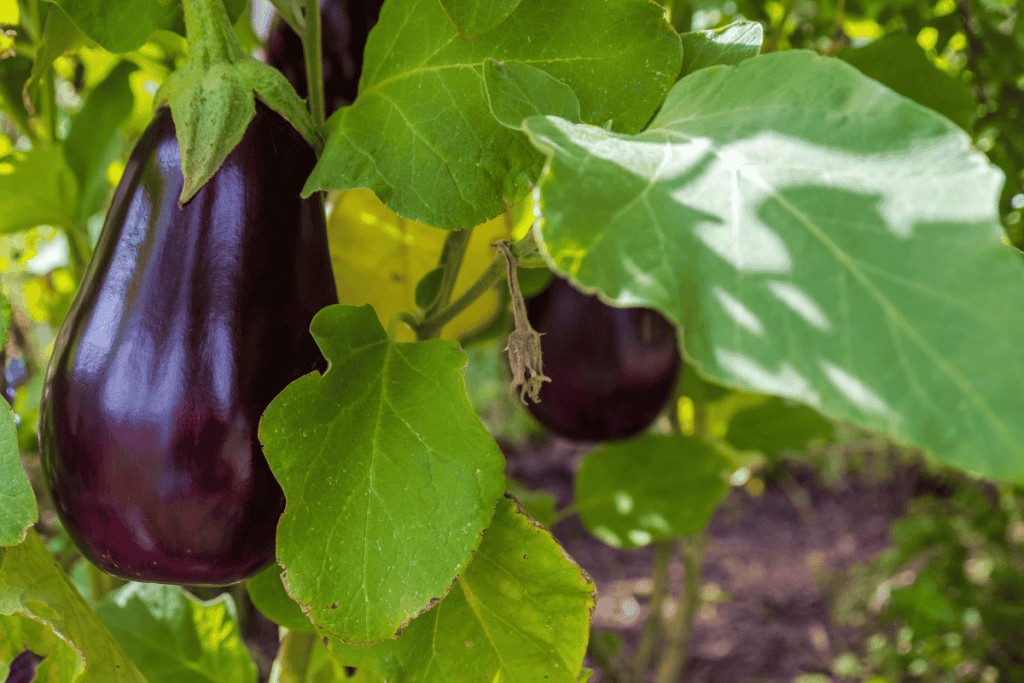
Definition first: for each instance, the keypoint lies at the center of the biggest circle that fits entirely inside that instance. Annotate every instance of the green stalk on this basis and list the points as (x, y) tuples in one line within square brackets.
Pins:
[(677, 640), (292, 663), (431, 327), (452, 254), (649, 635), (311, 51), (79, 252), (211, 38)]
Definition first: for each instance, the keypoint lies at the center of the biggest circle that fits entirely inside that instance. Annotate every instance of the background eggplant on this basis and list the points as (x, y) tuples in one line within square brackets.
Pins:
[(188, 322), (612, 370), (344, 26)]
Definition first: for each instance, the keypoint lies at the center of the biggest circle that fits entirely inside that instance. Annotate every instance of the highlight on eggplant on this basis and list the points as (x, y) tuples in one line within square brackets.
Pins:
[(188, 322)]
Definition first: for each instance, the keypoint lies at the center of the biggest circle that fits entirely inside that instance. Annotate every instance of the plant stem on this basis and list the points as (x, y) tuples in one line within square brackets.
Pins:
[(311, 51), (431, 327), (677, 645), (452, 254), (566, 512), (773, 42), (292, 663), (649, 635), (79, 252)]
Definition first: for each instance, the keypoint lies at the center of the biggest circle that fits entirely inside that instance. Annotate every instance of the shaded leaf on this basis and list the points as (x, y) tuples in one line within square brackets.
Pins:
[(726, 45), (388, 474), (777, 425), (520, 612), (429, 287), (378, 257), (33, 585), (17, 502), (174, 638), (472, 18), (538, 504), (14, 72), (36, 188), (59, 36), (818, 237), (649, 488), (268, 594), (420, 135), (87, 146), (898, 62), (516, 91)]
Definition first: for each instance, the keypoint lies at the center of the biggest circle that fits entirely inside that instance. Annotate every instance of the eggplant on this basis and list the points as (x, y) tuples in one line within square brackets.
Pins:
[(344, 27), (188, 322), (612, 370)]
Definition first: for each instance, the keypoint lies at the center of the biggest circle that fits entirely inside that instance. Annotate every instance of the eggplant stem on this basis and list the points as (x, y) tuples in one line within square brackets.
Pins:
[(311, 46)]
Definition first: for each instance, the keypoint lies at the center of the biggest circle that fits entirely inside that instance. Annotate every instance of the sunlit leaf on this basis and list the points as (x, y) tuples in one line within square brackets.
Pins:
[(36, 188), (388, 474), (17, 502), (726, 45), (60, 664), (420, 135), (817, 237), (33, 585), (521, 612)]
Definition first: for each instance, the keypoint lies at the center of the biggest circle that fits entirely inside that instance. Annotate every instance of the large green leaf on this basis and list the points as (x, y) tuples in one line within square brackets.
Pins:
[(124, 25), (472, 18), (519, 614), (818, 237), (726, 45), (420, 135), (36, 188), (33, 585), (649, 488), (174, 638), (87, 148), (897, 61), (389, 476), (17, 502)]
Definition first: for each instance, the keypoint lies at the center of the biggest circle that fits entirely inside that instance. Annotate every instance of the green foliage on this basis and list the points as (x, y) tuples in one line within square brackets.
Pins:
[(519, 613), (818, 284), (62, 663), (270, 597), (472, 19), (726, 45), (628, 493), (33, 586), (37, 189), (388, 473), (948, 596), (174, 638), (420, 135), (17, 502), (775, 426)]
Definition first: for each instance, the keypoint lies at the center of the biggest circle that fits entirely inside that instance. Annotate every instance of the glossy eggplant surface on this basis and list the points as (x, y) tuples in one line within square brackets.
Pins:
[(344, 27), (188, 322), (612, 370)]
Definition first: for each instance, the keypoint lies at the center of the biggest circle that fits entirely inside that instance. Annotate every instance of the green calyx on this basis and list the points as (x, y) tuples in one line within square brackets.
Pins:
[(212, 95)]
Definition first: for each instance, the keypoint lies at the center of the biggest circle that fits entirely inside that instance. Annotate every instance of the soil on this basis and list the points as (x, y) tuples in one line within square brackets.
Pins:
[(768, 557)]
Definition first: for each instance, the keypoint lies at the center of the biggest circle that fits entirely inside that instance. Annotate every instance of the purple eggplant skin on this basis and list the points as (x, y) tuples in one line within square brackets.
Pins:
[(344, 27), (189, 321), (612, 370)]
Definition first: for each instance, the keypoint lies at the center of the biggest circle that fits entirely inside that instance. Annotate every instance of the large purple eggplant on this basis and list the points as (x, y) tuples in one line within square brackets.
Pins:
[(612, 369), (188, 322)]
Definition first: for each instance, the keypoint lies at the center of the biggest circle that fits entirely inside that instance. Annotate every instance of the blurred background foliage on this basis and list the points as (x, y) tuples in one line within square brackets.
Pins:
[(944, 603)]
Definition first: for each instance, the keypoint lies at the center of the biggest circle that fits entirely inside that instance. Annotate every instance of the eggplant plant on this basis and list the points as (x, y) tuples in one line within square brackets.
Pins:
[(817, 241)]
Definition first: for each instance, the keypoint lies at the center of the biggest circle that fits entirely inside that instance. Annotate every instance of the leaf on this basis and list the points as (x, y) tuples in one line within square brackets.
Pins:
[(379, 257), (388, 475), (776, 426), (33, 585), (472, 18), (124, 25), (429, 287), (174, 638), (60, 664), (17, 502), (726, 45), (521, 612), (14, 71), (817, 237), (649, 488), (420, 135), (36, 188), (59, 36), (275, 90), (211, 107), (898, 62), (92, 129), (272, 600), (516, 91), (538, 504)]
